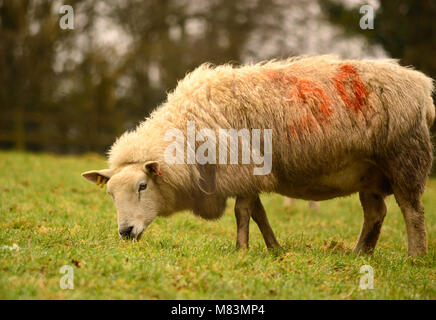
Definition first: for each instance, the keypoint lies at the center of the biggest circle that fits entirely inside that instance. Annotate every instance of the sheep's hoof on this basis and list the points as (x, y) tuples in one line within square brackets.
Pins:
[(242, 246)]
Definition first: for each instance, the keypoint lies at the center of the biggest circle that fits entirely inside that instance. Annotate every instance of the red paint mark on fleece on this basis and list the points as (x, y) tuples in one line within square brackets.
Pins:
[(307, 91), (304, 89), (306, 123), (347, 75)]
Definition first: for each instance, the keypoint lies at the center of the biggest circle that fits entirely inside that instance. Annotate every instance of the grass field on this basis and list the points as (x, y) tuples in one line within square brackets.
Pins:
[(51, 217)]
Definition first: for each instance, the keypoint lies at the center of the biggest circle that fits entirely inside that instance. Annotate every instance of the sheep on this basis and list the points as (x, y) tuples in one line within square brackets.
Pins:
[(329, 128)]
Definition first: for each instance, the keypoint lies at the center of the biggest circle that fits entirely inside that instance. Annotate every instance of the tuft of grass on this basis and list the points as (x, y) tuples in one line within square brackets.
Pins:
[(51, 217)]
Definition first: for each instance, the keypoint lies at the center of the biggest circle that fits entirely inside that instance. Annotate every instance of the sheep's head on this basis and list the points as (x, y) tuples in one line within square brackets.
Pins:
[(136, 194)]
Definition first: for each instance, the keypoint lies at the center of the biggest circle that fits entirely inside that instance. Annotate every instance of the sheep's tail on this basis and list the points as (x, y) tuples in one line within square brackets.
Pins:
[(430, 111)]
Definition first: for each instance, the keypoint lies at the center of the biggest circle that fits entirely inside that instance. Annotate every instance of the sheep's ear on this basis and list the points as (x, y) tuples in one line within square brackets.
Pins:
[(99, 177), (152, 168)]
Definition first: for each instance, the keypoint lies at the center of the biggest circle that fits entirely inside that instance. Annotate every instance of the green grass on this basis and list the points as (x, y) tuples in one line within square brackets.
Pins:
[(56, 218)]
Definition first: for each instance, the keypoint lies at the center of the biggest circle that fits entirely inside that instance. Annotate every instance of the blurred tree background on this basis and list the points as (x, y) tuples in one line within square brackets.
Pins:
[(73, 91)]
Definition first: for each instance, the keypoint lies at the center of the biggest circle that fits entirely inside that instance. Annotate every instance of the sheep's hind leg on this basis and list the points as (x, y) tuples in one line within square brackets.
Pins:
[(374, 210), (409, 169), (259, 216), (242, 213), (413, 213)]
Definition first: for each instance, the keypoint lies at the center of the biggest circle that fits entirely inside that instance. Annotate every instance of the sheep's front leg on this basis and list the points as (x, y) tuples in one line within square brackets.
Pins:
[(252, 207), (242, 213), (259, 216)]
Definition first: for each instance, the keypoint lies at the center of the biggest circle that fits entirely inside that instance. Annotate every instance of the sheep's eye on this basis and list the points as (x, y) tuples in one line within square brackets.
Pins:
[(142, 186)]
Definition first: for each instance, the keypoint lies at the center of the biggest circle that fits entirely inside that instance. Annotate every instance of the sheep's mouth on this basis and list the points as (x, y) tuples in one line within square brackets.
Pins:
[(129, 234), (139, 235)]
